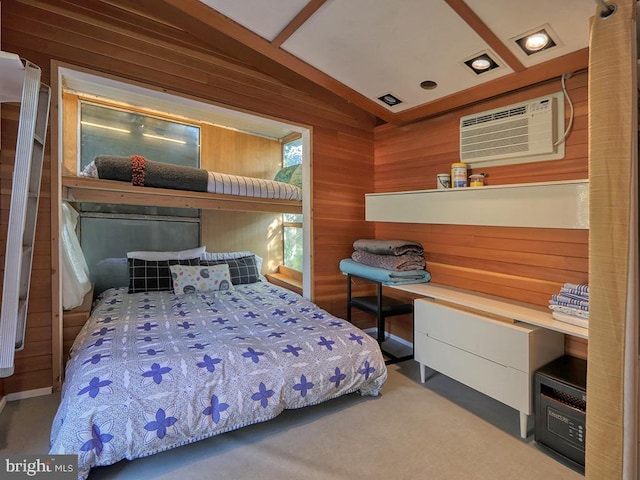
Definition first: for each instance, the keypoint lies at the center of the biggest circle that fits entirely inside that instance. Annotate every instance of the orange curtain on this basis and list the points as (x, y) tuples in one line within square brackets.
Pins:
[(611, 433)]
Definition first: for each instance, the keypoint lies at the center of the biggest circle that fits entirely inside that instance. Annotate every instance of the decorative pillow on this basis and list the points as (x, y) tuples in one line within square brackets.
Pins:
[(179, 255), (225, 255), (291, 174), (243, 270), (200, 279), (153, 275), (296, 176), (284, 174), (239, 254)]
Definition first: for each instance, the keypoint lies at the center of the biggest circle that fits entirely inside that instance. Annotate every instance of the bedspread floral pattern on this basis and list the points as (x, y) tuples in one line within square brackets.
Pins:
[(152, 371)]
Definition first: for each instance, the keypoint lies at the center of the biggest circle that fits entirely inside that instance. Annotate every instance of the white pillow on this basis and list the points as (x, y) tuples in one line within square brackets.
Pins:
[(178, 255), (226, 255), (190, 279)]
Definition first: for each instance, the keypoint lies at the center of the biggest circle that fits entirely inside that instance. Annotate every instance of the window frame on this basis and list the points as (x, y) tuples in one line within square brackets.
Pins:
[(293, 138)]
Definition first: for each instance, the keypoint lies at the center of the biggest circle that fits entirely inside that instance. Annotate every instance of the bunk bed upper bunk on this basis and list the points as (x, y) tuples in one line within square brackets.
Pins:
[(137, 181)]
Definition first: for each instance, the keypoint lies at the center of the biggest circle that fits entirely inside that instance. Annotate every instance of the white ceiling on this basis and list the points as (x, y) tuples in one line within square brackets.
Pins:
[(376, 47), (369, 48)]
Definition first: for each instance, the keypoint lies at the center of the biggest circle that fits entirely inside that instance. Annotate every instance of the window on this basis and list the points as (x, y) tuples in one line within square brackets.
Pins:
[(292, 223), (114, 131), (107, 232)]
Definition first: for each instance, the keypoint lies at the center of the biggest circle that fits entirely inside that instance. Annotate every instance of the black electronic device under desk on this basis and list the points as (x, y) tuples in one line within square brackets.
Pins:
[(561, 406)]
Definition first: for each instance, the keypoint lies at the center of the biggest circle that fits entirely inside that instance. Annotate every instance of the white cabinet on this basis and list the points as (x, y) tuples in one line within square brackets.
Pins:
[(495, 357)]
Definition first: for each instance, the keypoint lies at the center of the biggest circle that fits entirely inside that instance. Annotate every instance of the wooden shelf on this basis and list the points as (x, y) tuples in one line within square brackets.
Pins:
[(562, 204), (501, 307), (81, 189), (287, 278)]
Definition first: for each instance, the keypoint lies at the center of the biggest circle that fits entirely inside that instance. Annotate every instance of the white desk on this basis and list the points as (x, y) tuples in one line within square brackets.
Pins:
[(488, 343), (518, 311)]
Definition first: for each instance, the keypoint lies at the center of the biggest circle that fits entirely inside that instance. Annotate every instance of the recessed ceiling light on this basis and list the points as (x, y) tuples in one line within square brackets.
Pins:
[(535, 42), (481, 63), (390, 99)]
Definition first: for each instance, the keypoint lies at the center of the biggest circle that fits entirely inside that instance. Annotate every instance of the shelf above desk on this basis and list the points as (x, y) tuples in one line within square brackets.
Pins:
[(518, 311), (563, 204)]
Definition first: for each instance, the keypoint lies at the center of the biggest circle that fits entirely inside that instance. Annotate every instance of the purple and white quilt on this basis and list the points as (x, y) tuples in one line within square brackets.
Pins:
[(153, 371)]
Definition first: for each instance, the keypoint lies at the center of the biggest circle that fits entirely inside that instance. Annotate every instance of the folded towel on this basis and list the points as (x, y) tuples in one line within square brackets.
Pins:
[(387, 277), (569, 304), (570, 311), (581, 322), (579, 288), (569, 299), (575, 291), (388, 247), (408, 261), (581, 297)]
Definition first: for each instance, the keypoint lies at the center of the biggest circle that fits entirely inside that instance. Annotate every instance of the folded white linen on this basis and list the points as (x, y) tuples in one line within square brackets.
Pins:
[(580, 322)]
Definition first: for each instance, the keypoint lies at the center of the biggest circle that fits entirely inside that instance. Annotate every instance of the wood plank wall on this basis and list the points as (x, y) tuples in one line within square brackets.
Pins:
[(525, 264), (103, 37), (237, 153)]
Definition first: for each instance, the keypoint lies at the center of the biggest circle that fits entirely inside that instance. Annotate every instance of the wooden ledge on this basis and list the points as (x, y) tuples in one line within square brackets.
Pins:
[(502, 307), (83, 189), (287, 278)]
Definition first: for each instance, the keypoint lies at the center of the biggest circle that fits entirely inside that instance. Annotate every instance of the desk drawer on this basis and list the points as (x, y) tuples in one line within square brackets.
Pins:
[(500, 342), (507, 385)]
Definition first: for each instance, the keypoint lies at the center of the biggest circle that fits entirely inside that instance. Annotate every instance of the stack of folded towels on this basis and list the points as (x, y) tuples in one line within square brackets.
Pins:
[(391, 262), (571, 304)]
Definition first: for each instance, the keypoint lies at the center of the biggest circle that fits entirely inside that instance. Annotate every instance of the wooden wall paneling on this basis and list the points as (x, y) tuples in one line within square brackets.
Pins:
[(410, 157), (102, 37), (523, 264), (260, 233), (228, 151), (338, 209), (70, 134)]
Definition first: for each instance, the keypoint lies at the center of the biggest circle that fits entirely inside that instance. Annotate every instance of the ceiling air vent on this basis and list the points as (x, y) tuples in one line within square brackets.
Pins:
[(526, 131)]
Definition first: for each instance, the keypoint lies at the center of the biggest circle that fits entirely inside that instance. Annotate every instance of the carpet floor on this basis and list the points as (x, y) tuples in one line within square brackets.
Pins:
[(439, 430)]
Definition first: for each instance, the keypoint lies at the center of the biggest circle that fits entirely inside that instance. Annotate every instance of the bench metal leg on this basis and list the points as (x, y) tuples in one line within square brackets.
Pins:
[(380, 316)]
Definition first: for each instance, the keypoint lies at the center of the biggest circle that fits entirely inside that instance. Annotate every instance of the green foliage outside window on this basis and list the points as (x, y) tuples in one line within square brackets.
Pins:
[(292, 155)]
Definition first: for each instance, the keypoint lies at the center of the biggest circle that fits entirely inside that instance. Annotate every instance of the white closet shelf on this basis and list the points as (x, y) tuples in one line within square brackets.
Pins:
[(563, 204)]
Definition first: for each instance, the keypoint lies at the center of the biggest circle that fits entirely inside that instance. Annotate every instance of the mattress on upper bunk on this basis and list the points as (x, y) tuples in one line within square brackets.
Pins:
[(142, 172), (151, 371)]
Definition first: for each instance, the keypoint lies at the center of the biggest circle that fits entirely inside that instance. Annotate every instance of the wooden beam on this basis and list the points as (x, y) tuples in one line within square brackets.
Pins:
[(212, 27), (310, 8), (470, 17), (572, 62)]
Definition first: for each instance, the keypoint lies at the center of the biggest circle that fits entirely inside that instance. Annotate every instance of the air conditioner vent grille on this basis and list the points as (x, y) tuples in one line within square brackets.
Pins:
[(510, 112), (526, 130)]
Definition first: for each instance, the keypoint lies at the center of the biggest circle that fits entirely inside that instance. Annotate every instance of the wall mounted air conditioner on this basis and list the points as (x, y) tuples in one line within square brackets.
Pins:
[(518, 133)]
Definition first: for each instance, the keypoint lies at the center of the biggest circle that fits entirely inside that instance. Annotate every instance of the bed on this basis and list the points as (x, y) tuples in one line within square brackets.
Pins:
[(154, 370), (136, 180)]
